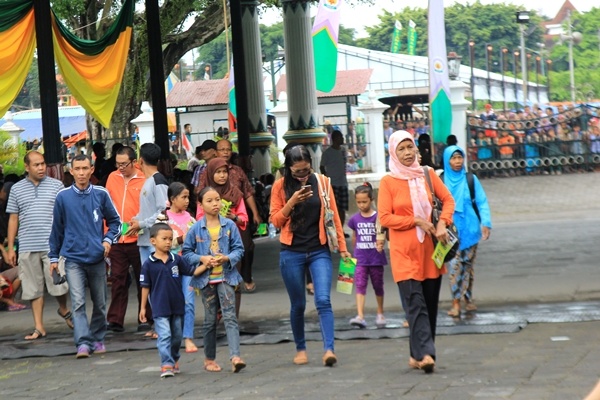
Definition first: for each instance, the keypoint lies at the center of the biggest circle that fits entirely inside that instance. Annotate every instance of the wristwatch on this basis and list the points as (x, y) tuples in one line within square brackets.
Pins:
[(235, 218)]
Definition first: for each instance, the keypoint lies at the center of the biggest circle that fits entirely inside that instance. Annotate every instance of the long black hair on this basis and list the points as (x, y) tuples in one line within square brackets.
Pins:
[(290, 185), (175, 190)]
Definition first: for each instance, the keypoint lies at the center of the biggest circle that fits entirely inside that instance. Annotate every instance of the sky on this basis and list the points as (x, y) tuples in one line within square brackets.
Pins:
[(367, 15)]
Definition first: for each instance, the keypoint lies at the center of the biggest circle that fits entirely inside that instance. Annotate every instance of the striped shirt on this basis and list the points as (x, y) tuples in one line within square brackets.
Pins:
[(34, 205)]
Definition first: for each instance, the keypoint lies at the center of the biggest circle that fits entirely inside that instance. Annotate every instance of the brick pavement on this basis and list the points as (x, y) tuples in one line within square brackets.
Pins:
[(524, 365)]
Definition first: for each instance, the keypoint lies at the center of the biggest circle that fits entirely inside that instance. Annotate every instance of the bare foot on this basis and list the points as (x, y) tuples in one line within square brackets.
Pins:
[(190, 347)]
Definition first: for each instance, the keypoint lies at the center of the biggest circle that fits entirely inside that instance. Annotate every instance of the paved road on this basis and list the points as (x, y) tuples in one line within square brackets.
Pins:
[(543, 361), (543, 249)]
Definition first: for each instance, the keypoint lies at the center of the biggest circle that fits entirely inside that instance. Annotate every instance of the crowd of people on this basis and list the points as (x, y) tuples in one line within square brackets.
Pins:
[(194, 231), (534, 140), (110, 240)]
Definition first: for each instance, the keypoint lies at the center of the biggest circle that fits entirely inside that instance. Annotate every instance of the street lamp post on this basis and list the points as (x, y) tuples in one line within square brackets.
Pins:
[(522, 20), (549, 63), (488, 58), (271, 71), (528, 68), (472, 61), (454, 65), (537, 77), (515, 67), (572, 38), (503, 63)]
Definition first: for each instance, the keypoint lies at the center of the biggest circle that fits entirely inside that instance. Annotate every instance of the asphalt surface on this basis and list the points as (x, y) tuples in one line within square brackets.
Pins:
[(542, 253)]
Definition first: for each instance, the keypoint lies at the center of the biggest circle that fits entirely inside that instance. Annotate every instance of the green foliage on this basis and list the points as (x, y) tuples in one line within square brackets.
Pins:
[(490, 23), (275, 162), (346, 36), (29, 97), (586, 60), (271, 37), (215, 52), (11, 155)]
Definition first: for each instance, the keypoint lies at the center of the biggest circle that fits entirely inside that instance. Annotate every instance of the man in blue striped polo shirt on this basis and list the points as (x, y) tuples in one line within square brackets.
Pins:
[(30, 206)]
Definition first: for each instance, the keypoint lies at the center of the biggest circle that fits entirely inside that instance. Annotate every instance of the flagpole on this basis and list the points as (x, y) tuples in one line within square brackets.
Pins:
[(226, 33)]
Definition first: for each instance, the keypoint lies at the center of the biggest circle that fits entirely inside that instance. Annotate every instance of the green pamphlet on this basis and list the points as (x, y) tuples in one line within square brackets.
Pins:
[(440, 251), (345, 281)]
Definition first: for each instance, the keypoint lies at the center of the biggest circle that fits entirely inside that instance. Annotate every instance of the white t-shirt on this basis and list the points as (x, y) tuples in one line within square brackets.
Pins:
[(335, 166)]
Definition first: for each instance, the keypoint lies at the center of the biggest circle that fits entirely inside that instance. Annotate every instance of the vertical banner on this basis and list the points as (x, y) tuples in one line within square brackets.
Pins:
[(412, 38), (396, 43), (439, 83), (232, 110), (325, 41)]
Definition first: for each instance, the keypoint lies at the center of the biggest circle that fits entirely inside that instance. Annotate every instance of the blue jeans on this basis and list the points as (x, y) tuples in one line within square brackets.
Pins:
[(145, 252), (190, 307), (212, 296), (168, 343), (293, 265), (80, 276)]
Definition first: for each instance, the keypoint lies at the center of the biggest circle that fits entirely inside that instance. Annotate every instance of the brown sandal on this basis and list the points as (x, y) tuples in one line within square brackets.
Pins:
[(211, 366), (237, 364), (454, 312)]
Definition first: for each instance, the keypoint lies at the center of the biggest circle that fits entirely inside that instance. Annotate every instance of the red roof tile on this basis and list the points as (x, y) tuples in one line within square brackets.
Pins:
[(348, 83), (204, 93), (199, 93), (561, 15)]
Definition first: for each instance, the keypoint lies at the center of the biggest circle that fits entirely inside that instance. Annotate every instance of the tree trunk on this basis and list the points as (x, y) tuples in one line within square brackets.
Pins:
[(136, 81), (135, 88)]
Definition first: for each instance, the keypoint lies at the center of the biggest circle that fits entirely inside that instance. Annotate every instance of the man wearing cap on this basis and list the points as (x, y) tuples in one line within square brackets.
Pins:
[(207, 151)]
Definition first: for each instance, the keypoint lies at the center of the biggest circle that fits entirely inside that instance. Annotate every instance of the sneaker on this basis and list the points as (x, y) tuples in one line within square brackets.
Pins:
[(83, 351), (99, 348), (176, 368), (166, 371), (358, 321), (380, 321)]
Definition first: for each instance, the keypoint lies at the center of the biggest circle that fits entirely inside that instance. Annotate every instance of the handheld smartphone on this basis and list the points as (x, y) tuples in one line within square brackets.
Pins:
[(307, 188)]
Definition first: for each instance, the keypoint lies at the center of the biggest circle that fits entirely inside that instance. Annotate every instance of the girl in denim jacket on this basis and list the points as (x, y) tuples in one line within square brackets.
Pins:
[(215, 241)]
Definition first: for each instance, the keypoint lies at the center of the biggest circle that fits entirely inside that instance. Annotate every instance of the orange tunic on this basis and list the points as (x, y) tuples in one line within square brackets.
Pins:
[(409, 258)]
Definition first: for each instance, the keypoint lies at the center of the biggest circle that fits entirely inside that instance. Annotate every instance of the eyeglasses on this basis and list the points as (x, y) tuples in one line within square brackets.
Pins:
[(226, 149), (300, 173), (123, 165)]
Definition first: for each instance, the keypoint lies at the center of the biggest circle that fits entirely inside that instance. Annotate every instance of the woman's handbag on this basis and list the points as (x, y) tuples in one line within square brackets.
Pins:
[(324, 191), (435, 217)]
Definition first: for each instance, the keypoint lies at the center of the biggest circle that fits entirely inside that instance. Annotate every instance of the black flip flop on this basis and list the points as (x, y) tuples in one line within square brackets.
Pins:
[(68, 317), (38, 333)]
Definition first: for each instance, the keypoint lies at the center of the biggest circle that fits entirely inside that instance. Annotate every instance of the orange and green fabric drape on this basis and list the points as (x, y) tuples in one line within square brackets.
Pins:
[(93, 69), (17, 44)]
